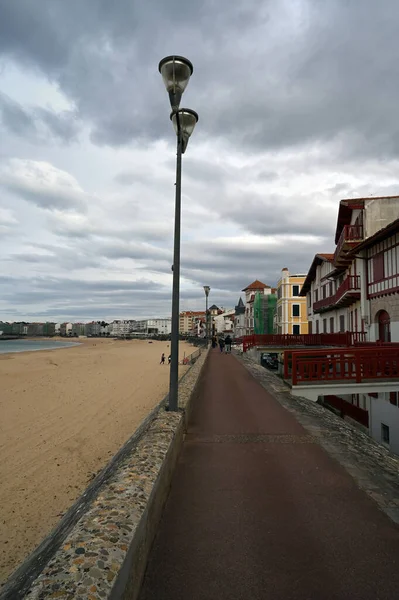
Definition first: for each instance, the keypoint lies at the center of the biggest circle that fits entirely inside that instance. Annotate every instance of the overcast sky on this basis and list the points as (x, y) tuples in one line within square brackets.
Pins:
[(298, 108)]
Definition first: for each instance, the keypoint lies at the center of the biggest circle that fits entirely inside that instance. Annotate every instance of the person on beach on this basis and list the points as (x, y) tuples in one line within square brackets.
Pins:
[(162, 359), (228, 344), (221, 344)]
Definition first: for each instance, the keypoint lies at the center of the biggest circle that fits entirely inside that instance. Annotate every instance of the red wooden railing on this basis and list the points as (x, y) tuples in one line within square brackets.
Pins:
[(350, 283), (347, 338), (350, 233), (351, 410), (342, 364)]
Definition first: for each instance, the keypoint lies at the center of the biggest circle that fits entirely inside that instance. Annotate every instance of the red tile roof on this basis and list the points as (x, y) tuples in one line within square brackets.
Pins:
[(256, 285)]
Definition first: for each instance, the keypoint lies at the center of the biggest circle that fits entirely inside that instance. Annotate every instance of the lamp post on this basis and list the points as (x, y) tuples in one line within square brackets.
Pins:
[(207, 289), (176, 72)]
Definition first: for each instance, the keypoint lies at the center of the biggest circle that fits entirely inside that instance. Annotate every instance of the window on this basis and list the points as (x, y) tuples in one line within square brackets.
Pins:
[(332, 325), (317, 326), (385, 433), (309, 299), (295, 290), (310, 327), (378, 267), (394, 398), (296, 329), (324, 325), (342, 323), (316, 295), (279, 293), (296, 310)]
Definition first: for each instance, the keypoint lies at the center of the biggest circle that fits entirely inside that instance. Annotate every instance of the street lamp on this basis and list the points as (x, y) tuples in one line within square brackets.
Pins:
[(176, 72), (207, 289)]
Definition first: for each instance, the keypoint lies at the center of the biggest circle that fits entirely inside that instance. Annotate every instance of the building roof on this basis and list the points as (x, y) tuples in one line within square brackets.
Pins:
[(256, 285), (214, 307), (318, 260), (345, 211), (381, 235)]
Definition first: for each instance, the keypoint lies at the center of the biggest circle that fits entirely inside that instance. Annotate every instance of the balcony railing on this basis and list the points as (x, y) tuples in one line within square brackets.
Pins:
[(349, 287), (351, 234), (352, 365), (347, 338), (347, 409)]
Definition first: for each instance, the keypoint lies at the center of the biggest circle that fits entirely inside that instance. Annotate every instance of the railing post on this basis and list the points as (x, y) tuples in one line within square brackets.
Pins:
[(358, 367)]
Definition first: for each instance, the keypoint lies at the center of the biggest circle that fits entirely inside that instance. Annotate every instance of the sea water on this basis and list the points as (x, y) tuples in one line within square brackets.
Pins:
[(7, 346)]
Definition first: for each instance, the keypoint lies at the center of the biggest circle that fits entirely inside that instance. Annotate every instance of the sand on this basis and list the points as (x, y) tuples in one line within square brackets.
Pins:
[(63, 414)]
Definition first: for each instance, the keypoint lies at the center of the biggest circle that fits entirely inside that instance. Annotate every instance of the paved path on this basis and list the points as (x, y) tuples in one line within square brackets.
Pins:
[(258, 510)]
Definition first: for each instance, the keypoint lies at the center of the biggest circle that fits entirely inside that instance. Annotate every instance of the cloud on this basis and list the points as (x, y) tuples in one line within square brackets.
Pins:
[(42, 184), (38, 123), (297, 110)]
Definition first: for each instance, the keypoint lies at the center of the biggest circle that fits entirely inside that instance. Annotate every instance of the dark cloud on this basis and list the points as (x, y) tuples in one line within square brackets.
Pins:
[(38, 124), (297, 104), (266, 74)]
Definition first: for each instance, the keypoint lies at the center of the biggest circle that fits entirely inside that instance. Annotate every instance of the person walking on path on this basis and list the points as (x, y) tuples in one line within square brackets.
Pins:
[(228, 344), (221, 344), (162, 359)]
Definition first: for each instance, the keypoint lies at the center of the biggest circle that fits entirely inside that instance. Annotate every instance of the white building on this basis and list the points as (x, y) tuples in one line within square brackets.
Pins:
[(356, 290), (154, 326), (224, 323), (119, 328)]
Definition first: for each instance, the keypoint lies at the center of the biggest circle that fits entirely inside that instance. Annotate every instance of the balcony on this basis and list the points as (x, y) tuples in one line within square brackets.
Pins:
[(352, 365), (347, 293), (351, 236), (347, 338)]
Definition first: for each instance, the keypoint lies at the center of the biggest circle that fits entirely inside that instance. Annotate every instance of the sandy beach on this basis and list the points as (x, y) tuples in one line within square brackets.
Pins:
[(64, 414)]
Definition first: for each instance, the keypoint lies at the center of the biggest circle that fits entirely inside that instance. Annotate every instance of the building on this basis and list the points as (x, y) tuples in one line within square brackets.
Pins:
[(356, 289), (153, 326), (291, 315), (239, 319), (224, 322), (264, 309), (256, 287), (120, 328), (380, 274), (187, 321)]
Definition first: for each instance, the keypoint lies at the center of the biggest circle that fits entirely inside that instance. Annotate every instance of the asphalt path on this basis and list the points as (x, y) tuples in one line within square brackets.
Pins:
[(258, 510)]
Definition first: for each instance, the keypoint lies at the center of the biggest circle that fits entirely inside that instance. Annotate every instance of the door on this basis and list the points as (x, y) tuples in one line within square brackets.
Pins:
[(384, 326)]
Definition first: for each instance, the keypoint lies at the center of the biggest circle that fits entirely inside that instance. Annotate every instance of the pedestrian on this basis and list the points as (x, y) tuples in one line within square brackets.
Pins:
[(221, 344), (228, 344), (213, 341), (169, 359), (162, 359)]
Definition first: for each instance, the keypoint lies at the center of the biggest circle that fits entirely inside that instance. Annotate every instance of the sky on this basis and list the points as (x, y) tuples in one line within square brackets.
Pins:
[(298, 108)]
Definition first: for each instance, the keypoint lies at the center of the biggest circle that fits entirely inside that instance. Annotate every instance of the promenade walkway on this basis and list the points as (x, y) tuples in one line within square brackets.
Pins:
[(258, 510)]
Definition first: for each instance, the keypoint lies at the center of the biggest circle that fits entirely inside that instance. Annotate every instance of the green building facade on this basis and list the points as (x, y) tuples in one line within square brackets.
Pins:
[(264, 308)]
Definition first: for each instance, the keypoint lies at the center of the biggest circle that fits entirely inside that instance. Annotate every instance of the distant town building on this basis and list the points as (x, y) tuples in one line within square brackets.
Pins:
[(239, 319), (224, 322), (256, 287), (290, 316), (187, 320), (153, 326)]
